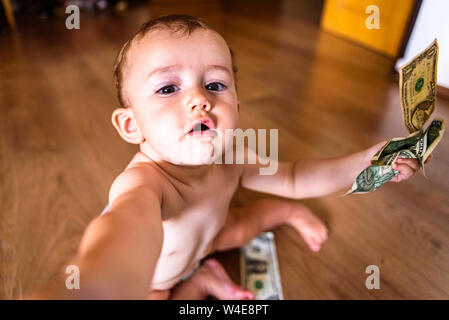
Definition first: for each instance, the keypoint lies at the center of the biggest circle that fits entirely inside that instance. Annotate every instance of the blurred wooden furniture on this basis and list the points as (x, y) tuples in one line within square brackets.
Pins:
[(347, 18), (9, 14)]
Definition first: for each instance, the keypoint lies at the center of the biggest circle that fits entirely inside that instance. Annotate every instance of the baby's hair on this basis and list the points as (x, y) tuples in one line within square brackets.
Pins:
[(177, 23)]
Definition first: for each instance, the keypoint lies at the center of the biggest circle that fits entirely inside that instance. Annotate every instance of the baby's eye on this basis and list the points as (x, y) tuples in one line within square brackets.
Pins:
[(215, 86), (168, 89)]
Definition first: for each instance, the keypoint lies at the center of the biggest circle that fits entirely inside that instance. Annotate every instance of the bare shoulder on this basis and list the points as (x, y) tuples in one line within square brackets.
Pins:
[(251, 161), (138, 175), (135, 201)]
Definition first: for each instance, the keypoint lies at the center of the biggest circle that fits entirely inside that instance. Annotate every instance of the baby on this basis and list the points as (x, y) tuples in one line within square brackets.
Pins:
[(170, 207)]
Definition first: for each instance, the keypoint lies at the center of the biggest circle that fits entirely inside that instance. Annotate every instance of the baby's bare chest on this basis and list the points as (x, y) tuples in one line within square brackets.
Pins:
[(192, 216)]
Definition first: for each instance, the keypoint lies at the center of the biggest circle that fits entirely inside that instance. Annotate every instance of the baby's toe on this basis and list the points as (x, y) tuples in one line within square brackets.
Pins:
[(323, 234), (313, 242), (239, 293), (220, 285), (212, 263), (315, 247)]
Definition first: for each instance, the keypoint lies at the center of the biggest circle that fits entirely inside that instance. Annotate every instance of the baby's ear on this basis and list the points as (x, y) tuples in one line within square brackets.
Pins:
[(124, 121)]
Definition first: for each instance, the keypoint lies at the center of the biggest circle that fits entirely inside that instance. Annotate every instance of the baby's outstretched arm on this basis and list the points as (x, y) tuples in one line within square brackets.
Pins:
[(307, 178), (119, 250)]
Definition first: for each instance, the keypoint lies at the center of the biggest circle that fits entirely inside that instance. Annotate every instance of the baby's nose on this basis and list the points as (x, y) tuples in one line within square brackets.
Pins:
[(199, 103), (206, 107)]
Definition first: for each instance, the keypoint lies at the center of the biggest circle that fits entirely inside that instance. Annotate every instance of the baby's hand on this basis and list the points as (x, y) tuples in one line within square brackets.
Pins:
[(407, 168)]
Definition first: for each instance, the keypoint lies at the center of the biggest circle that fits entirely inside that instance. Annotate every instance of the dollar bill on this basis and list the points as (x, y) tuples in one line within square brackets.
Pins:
[(396, 144), (259, 268), (417, 91), (379, 173), (418, 145), (433, 136), (417, 88)]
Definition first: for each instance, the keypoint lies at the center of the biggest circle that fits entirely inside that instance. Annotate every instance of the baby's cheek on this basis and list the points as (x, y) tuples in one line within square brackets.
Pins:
[(229, 118), (163, 134)]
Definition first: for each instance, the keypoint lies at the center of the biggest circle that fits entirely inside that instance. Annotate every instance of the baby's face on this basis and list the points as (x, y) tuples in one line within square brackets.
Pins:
[(172, 82)]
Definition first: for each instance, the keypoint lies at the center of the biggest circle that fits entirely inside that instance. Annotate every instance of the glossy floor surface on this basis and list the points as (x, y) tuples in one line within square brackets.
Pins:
[(327, 96)]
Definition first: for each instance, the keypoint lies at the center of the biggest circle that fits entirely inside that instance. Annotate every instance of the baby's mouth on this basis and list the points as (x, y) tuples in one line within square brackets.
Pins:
[(200, 128)]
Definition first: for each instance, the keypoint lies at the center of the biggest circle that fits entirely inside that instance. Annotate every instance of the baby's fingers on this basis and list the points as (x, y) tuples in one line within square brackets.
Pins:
[(412, 163), (405, 172)]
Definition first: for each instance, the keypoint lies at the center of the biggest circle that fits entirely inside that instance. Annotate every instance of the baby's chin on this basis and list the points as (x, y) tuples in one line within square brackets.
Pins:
[(195, 152)]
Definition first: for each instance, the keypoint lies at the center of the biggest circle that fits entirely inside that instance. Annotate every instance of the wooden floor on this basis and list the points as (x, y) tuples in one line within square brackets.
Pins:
[(59, 153)]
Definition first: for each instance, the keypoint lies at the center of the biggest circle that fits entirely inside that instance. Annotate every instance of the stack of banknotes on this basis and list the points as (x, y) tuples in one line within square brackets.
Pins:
[(417, 85)]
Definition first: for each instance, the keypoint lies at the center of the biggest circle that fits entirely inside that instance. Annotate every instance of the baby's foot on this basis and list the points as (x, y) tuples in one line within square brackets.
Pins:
[(216, 282), (311, 228)]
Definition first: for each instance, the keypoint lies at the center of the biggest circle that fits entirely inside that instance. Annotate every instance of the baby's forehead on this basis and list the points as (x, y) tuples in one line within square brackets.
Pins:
[(164, 44), (165, 34)]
